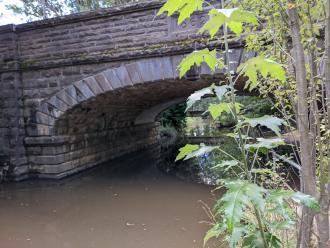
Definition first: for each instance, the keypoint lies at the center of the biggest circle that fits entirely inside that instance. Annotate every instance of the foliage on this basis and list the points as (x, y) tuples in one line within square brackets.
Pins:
[(251, 106), (38, 9), (243, 198), (168, 136), (185, 8), (234, 18), (248, 214), (265, 67), (197, 58), (174, 117)]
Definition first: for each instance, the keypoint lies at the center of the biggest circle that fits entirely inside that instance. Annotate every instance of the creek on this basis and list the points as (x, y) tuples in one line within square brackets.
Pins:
[(126, 203)]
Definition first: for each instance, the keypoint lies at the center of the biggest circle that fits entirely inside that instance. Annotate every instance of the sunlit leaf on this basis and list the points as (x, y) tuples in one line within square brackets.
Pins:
[(264, 66), (227, 165), (196, 96), (203, 149), (220, 91), (271, 122), (186, 150), (215, 22), (234, 18), (197, 58), (216, 110), (306, 200), (263, 145), (184, 7)]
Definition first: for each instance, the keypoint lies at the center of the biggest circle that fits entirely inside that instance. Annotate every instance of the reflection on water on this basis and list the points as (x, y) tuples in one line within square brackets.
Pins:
[(125, 204)]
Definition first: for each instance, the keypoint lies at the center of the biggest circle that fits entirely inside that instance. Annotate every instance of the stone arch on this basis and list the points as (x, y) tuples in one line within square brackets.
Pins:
[(130, 74), (56, 153), (52, 154)]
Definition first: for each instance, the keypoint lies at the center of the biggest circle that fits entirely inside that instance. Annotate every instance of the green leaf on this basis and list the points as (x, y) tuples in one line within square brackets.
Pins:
[(264, 145), (264, 66), (282, 225), (197, 58), (196, 96), (306, 200), (228, 164), (255, 240), (270, 122), (273, 241), (220, 91), (234, 18), (214, 232), (203, 149), (233, 203), (184, 7), (256, 195), (276, 197), (216, 20), (185, 151), (239, 195), (217, 109), (236, 236)]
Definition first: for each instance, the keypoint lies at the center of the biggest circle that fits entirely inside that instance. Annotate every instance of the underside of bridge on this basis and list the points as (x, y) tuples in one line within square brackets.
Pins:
[(104, 116)]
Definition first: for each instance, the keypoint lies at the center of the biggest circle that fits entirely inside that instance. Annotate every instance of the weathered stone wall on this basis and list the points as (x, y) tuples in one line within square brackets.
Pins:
[(12, 132), (57, 157), (57, 95)]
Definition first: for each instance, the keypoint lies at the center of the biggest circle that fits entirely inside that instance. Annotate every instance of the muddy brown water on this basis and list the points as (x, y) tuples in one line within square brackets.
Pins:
[(123, 204)]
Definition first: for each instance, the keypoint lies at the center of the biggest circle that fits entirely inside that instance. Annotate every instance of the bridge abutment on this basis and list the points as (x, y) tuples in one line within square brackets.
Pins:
[(59, 156)]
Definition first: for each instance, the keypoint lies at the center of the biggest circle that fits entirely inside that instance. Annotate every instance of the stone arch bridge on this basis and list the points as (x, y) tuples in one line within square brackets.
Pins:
[(82, 89)]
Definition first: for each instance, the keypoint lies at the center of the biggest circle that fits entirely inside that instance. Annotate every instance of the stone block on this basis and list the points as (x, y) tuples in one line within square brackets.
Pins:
[(65, 97), (176, 60), (103, 82), (84, 89), (113, 78), (93, 85), (75, 94), (43, 160), (123, 76), (167, 68), (58, 104), (134, 73), (42, 118), (145, 70)]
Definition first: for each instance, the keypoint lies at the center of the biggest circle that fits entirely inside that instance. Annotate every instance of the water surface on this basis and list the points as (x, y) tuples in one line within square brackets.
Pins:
[(122, 204)]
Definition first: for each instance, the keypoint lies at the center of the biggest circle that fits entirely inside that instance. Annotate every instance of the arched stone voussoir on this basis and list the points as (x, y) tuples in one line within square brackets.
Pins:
[(123, 75)]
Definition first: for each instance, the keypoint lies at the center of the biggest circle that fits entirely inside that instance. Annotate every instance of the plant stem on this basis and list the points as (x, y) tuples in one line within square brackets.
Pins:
[(261, 227), (233, 100)]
